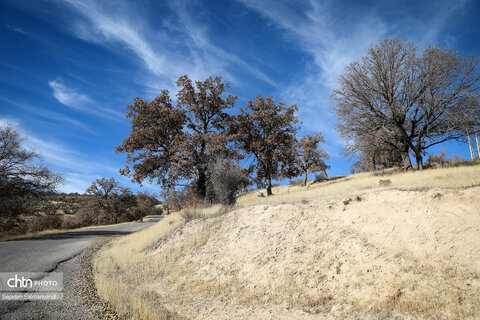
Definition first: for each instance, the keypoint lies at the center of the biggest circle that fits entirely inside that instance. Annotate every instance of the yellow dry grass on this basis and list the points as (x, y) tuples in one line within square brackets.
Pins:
[(445, 178), (123, 288), (166, 270)]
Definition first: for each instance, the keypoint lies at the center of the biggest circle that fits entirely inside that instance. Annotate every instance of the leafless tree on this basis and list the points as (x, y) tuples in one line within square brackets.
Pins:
[(227, 178), (23, 178), (406, 98), (111, 200)]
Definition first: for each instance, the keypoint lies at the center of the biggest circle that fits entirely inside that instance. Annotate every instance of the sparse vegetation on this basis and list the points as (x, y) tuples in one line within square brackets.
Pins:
[(24, 180), (227, 179), (347, 260)]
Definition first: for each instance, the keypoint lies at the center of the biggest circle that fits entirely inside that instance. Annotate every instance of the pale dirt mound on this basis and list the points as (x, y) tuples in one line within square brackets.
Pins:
[(406, 254)]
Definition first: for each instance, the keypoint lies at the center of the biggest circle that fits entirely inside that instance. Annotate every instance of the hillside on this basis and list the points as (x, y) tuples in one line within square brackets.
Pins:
[(342, 249)]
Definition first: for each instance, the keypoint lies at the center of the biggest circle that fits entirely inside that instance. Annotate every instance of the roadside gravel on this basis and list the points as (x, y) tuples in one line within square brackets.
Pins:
[(80, 299)]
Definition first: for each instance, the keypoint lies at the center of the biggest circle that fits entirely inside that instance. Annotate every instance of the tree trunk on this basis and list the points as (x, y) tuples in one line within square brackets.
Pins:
[(373, 163), (407, 163), (478, 145), (305, 177), (470, 145), (325, 172), (269, 185), (419, 159), (202, 184)]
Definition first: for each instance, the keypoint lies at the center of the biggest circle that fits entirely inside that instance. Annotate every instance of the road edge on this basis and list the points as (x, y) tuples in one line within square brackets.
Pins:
[(86, 288)]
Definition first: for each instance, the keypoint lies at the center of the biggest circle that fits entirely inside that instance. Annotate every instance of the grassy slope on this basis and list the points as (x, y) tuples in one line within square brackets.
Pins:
[(383, 254)]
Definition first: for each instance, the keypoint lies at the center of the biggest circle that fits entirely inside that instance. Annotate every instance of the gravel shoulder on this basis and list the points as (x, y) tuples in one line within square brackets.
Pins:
[(70, 253), (80, 299), (70, 307)]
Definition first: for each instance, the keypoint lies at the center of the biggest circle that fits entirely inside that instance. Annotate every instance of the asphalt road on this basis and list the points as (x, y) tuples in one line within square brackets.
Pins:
[(45, 253), (55, 252)]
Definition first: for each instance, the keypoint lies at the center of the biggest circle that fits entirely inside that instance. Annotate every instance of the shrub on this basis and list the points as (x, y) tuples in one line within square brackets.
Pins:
[(70, 223), (227, 178), (86, 217), (320, 177), (19, 230), (175, 200), (440, 158), (46, 222), (457, 157), (295, 182)]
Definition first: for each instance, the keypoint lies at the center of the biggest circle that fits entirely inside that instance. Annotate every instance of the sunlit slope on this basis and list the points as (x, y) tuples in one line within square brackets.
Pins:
[(341, 249)]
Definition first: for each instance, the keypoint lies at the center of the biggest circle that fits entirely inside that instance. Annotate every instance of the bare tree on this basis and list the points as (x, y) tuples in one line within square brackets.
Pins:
[(23, 178), (227, 178), (409, 99), (173, 144), (310, 156), (111, 199), (267, 130)]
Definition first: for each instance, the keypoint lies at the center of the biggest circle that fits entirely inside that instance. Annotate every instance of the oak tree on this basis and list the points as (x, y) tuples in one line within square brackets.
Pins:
[(408, 100), (172, 144), (110, 200), (310, 156), (267, 130)]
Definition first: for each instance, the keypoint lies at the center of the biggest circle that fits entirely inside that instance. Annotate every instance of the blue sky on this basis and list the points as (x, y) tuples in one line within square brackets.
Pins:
[(69, 68)]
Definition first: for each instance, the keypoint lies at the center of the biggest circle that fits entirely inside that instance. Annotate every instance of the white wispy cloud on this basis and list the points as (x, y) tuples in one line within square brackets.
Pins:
[(332, 43), (117, 28), (81, 102), (209, 57), (18, 30), (8, 122), (161, 53), (51, 115), (69, 97)]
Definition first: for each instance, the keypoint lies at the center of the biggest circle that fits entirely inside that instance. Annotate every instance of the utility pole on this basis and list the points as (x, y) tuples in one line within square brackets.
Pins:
[(470, 145), (478, 145)]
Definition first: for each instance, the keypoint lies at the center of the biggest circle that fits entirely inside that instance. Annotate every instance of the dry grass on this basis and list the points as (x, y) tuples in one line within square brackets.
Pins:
[(444, 178), (308, 257), (120, 286)]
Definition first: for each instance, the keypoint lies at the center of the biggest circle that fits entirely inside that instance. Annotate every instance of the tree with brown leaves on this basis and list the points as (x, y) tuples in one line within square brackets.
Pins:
[(172, 144), (267, 130), (310, 156)]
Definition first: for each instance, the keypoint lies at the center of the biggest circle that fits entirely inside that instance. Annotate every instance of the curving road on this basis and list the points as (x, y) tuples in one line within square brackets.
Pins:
[(47, 253)]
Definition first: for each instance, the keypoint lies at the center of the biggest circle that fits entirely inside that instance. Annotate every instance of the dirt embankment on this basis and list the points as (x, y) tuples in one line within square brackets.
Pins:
[(389, 253)]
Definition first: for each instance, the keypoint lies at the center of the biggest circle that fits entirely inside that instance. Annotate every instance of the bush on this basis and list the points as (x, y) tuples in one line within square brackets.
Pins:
[(320, 177), (19, 230), (70, 223), (46, 222), (440, 158), (227, 178), (295, 182), (175, 200), (86, 217)]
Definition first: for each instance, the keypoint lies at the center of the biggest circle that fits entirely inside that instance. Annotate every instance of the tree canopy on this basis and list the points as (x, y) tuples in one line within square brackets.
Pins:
[(310, 156), (23, 177), (172, 144), (267, 130), (404, 100)]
